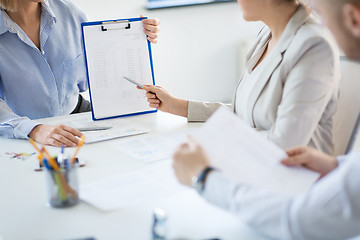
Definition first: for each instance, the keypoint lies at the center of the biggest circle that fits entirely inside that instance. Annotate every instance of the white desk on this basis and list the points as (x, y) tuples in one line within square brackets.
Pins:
[(24, 215)]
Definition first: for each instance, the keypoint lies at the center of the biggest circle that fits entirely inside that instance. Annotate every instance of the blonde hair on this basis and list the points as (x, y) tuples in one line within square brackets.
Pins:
[(9, 5)]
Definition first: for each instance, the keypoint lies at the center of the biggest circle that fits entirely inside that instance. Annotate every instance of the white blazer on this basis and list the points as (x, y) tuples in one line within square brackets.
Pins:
[(294, 101)]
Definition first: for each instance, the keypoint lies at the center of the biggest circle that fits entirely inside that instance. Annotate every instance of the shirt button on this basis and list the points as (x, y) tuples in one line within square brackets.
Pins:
[(43, 52)]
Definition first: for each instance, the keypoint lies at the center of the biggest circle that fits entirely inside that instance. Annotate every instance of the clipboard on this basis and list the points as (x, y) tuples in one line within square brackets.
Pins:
[(114, 49)]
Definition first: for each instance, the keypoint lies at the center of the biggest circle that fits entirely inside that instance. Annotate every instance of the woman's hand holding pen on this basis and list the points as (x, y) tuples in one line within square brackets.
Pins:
[(55, 135), (161, 99)]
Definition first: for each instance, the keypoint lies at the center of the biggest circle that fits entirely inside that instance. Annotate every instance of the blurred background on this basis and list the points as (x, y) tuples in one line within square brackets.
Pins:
[(201, 50)]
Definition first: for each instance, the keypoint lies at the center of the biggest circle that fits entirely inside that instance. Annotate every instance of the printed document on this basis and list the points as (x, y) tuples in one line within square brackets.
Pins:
[(112, 55)]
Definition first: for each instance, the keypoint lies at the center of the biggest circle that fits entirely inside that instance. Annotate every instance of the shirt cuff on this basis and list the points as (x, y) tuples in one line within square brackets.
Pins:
[(217, 189), (195, 114), (341, 159), (23, 129)]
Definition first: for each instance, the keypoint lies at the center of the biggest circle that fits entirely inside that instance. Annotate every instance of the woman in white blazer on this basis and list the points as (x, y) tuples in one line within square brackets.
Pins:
[(289, 89)]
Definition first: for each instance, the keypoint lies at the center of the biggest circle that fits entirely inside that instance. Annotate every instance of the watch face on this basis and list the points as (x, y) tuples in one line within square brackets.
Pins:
[(196, 184)]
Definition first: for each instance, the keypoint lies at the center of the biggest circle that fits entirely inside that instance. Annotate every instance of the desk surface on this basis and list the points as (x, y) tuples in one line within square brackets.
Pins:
[(24, 214)]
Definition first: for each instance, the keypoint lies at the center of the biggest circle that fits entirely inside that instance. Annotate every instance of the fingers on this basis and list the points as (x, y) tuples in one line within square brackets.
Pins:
[(153, 101), (152, 40), (295, 161), (180, 151), (153, 22), (151, 29), (73, 131), (64, 135), (151, 32), (151, 95), (55, 143), (151, 88), (296, 151), (157, 106)]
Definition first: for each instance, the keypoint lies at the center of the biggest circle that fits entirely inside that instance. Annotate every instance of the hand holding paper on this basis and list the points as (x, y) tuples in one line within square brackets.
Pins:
[(247, 157)]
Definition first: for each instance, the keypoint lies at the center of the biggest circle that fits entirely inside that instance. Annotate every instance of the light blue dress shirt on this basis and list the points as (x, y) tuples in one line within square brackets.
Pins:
[(37, 83), (329, 210)]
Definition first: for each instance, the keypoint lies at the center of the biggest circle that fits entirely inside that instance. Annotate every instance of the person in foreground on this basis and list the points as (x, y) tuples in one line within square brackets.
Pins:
[(289, 88), (42, 68), (331, 208)]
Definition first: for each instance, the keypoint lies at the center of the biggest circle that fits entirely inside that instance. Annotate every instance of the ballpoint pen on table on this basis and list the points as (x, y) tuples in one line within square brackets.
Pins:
[(88, 129)]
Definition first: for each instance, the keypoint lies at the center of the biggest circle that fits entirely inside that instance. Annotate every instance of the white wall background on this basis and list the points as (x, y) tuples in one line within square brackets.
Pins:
[(197, 56)]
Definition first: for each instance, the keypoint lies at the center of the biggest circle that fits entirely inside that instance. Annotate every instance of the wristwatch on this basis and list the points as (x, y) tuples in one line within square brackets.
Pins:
[(198, 182)]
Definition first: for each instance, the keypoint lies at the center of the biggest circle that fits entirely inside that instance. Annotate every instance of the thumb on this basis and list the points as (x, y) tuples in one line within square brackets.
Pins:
[(151, 88), (294, 161)]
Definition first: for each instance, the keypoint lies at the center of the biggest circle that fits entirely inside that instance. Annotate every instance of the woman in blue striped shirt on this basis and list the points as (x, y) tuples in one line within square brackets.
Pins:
[(42, 68)]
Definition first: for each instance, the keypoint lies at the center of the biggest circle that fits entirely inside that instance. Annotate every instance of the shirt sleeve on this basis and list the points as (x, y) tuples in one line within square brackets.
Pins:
[(329, 210), (12, 125), (201, 111), (308, 93)]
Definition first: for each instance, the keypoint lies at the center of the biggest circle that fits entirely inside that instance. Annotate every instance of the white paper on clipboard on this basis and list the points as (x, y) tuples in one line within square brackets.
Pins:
[(111, 54)]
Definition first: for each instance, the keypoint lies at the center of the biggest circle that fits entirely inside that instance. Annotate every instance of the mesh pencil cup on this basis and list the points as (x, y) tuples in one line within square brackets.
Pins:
[(62, 187)]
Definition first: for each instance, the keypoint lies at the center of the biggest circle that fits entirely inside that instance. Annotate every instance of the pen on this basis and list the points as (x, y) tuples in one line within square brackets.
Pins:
[(60, 157), (88, 129), (136, 83), (77, 149)]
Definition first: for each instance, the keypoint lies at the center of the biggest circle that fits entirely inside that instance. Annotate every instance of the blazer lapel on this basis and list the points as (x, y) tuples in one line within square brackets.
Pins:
[(273, 61), (262, 35), (275, 58)]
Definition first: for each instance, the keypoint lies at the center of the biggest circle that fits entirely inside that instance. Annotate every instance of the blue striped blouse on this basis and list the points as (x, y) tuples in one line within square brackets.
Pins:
[(37, 83)]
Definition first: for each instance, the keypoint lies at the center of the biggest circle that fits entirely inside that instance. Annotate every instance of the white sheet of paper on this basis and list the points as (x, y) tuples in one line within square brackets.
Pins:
[(247, 157), (119, 127), (111, 55), (131, 188), (152, 147)]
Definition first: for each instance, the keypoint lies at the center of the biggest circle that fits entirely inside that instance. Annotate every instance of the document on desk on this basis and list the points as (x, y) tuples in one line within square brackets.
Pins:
[(248, 157), (118, 128), (152, 147), (133, 188), (114, 50)]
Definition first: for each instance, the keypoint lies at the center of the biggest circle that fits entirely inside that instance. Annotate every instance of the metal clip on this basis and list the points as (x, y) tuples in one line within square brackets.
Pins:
[(104, 29)]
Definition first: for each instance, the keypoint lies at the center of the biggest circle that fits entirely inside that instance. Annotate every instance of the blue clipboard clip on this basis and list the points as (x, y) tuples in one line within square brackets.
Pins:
[(106, 26)]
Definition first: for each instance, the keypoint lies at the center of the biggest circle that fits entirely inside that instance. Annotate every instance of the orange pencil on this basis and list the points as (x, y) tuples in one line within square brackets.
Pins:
[(51, 160), (82, 140), (36, 147)]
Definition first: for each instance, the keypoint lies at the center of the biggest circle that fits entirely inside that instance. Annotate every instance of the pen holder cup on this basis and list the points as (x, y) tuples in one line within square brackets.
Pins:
[(62, 187)]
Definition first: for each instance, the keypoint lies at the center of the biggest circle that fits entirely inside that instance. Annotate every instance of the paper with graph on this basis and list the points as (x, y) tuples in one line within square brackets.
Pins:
[(113, 50)]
